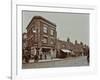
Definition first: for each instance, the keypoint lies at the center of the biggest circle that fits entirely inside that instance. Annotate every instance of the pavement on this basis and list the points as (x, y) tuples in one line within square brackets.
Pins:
[(50, 63), (46, 60)]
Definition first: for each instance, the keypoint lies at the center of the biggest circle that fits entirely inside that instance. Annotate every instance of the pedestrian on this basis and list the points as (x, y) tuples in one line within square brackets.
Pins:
[(40, 56), (27, 56), (88, 56), (26, 59), (45, 56), (36, 58)]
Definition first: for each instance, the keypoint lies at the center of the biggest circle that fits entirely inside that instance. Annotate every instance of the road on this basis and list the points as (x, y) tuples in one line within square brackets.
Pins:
[(67, 62)]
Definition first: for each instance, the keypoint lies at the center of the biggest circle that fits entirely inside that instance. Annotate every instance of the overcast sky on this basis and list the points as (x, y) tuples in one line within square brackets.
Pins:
[(72, 25)]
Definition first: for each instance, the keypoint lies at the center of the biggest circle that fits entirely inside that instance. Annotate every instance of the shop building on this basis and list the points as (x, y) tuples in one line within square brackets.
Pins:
[(41, 37)]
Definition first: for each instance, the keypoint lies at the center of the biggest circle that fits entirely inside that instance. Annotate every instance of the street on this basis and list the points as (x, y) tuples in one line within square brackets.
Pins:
[(67, 62)]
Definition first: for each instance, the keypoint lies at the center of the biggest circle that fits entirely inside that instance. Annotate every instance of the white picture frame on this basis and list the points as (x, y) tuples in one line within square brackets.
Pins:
[(17, 72)]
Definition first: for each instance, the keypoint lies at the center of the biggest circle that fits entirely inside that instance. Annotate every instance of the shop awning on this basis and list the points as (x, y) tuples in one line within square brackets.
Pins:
[(66, 50)]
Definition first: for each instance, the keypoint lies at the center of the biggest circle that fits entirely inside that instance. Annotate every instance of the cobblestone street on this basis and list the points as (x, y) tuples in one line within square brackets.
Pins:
[(67, 62)]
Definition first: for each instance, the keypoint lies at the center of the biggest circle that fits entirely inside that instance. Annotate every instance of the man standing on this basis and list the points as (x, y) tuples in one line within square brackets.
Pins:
[(88, 56)]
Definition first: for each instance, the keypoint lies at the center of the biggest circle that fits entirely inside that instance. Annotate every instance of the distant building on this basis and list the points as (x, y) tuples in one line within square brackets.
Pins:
[(61, 49), (64, 48), (41, 37), (78, 48), (67, 46)]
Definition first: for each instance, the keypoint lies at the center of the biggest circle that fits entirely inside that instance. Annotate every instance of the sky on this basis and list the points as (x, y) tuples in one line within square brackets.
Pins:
[(68, 25)]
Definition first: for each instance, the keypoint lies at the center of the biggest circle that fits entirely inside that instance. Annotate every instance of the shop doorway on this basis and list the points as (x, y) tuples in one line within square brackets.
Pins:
[(46, 53)]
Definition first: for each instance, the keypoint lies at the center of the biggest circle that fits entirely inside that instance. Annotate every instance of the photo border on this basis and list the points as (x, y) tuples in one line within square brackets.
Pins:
[(15, 33)]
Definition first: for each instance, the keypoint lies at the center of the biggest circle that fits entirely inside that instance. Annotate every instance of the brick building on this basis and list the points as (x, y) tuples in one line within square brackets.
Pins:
[(41, 37), (78, 48), (65, 47)]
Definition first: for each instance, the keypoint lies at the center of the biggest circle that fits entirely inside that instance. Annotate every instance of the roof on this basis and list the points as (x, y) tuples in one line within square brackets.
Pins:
[(42, 18)]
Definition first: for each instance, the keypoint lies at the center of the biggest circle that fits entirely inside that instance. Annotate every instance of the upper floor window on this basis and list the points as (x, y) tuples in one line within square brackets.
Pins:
[(45, 40), (52, 32), (45, 29), (52, 42)]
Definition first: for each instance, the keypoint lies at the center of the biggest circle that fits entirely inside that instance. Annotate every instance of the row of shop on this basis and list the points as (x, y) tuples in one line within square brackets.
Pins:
[(49, 53)]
